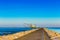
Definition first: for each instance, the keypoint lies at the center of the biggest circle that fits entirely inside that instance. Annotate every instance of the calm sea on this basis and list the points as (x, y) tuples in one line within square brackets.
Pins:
[(11, 30), (56, 29)]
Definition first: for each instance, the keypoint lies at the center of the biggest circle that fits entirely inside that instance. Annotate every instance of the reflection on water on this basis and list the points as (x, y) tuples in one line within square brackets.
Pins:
[(5, 33)]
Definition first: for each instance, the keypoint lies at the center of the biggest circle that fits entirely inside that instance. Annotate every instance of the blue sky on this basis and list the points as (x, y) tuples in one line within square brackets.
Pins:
[(29, 8), (45, 12)]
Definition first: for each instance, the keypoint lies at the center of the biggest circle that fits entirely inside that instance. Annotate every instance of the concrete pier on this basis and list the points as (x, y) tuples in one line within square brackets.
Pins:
[(35, 34)]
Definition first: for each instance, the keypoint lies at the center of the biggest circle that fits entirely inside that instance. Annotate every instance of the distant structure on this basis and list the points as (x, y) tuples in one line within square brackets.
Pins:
[(33, 26)]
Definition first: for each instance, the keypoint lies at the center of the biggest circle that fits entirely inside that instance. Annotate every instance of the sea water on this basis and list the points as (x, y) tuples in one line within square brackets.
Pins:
[(55, 29), (11, 30)]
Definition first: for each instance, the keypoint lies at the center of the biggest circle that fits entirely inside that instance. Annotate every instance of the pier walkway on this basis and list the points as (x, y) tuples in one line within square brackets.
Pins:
[(36, 35)]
